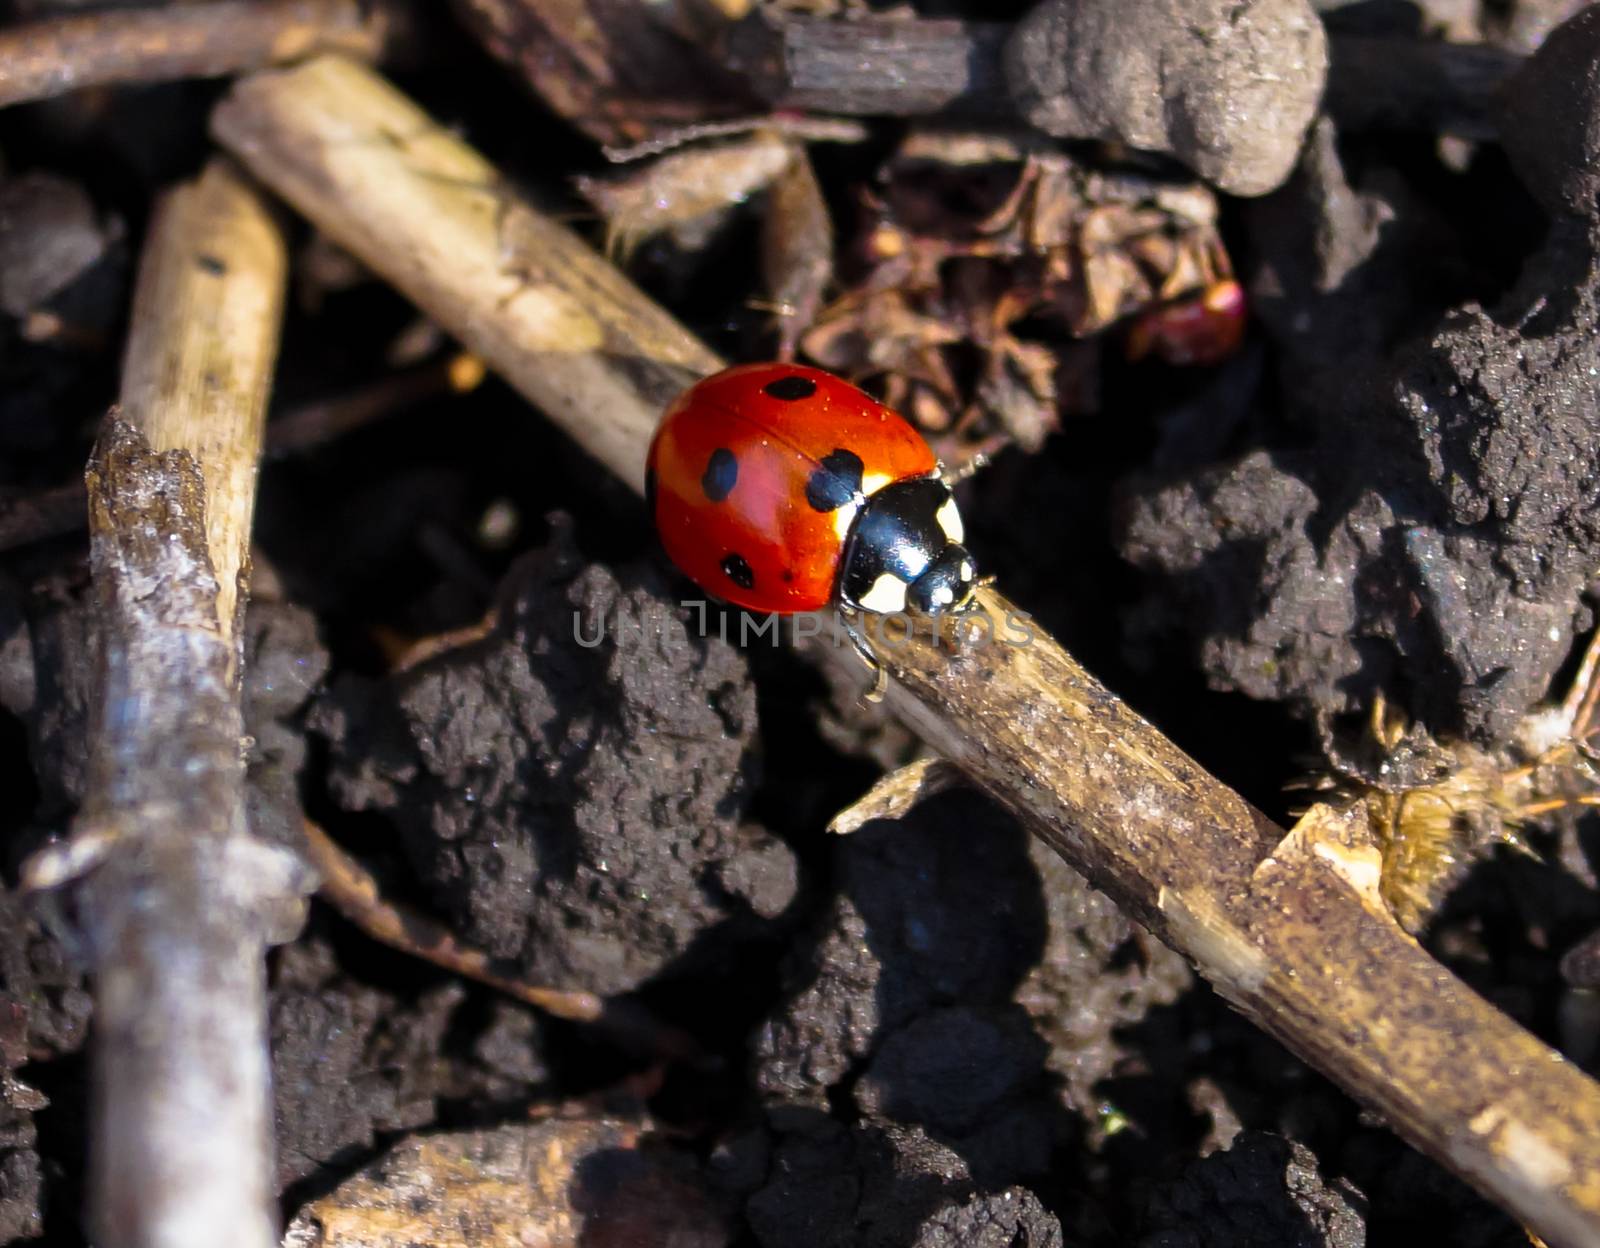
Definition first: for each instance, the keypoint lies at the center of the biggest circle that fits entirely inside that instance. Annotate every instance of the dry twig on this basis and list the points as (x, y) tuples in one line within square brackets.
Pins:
[(913, 68), (617, 70), (351, 889), (177, 901), (51, 56), (1288, 925), (59, 510), (523, 293), (897, 794), (875, 65)]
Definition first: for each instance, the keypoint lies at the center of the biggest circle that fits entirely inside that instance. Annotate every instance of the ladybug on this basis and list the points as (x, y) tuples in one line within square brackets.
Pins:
[(1202, 329), (784, 489)]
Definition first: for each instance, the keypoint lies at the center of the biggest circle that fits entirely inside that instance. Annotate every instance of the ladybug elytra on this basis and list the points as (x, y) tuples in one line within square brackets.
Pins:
[(1203, 329), (784, 489)]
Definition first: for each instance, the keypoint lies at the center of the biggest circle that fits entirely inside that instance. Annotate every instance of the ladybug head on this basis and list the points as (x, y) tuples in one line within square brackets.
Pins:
[(946, 587), (905, 552)]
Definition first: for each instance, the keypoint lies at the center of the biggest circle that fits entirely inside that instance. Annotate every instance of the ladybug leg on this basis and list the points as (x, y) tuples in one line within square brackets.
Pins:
[(880, 677), (974, 463), (950, 636)]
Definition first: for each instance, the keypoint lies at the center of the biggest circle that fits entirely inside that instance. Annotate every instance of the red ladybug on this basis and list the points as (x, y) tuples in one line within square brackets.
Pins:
[(782, 489), (1202, 329)]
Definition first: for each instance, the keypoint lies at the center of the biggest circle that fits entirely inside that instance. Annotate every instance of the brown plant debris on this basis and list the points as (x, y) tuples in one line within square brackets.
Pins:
[(54, 55), (1437, 806), (972, 251)]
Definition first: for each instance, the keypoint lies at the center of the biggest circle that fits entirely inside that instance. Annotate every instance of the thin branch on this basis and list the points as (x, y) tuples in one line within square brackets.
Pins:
[(60, 510), (897, 794), (890, 66), (323, 420), (876, 65), (52, 56), (1288, 925), (553, 317), (176, 899), (350, 888)]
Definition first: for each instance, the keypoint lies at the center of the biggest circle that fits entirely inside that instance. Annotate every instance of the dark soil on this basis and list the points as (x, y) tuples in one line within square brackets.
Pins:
[(931, 1033)]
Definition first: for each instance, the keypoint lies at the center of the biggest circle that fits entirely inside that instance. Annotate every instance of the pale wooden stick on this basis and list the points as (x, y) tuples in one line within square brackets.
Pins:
[(1288, 925), (177, 900), (201, 347), (550, 314), (51, 56)]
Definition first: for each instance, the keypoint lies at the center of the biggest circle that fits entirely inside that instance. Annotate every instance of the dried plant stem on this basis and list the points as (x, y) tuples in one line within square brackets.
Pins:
[(898, 793), (351, 889), (1288, 925), (523, 293), (890, 66), (177, 900), (59, 511), (51, 56), (201, 348)]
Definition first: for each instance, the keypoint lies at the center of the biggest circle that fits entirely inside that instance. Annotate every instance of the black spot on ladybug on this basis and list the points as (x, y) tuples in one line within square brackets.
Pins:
[(835, 481), (788, 576), (720, 475), (738, 571), (790, 388)]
